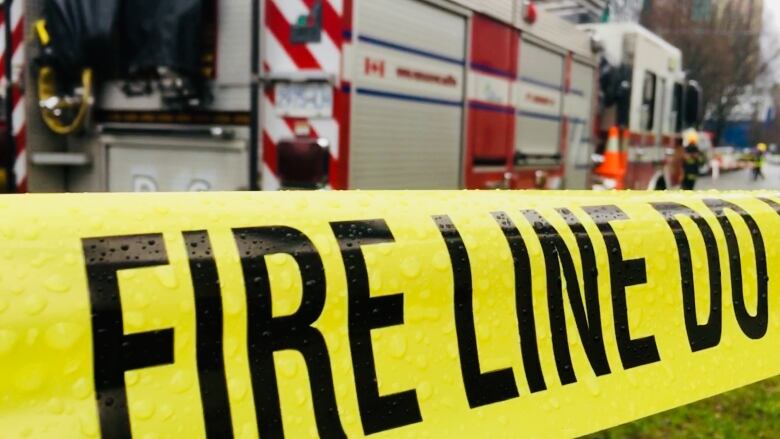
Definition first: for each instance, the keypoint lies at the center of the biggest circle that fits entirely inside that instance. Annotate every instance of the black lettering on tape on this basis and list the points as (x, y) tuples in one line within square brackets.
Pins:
[(377, 412), (771, 203), (587, 315), (755, 326), (115, 352), (208, 335), (267, 334), (594, 344), (482, 388), (705, 335), (524, 304), (622, 274)]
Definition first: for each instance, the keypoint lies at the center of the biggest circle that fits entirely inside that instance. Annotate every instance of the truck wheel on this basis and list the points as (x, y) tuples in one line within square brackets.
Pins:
[(658, 182)]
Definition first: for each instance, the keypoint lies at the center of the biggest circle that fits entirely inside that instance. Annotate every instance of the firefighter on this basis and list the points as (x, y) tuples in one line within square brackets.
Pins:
[(692, 161), (758, 161)]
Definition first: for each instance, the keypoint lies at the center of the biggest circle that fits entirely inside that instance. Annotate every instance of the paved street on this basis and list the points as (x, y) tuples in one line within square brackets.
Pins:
[(742, 179)]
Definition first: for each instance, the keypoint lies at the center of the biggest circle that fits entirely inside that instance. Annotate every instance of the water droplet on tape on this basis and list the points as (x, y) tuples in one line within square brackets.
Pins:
[(131, 377), (88, 426), (424, 391), (7, 341), (181, 382), (593, 386), (30, 378), (166, 276), (142, 409), (397, 346), (300, 396), (56, 284), (375, 280), (286, 280), (238, 388), (452, 351), (288, 367), (81, 388), (62, 336), (186, 306), (34, 304), (31, 231), (384, 250), (441, 260), (55, 406), (165, 412)]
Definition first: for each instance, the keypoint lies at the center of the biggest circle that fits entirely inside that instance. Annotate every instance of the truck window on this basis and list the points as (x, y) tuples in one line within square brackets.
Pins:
[(648, 102), (693, 104), (675, 117), (139, 51)]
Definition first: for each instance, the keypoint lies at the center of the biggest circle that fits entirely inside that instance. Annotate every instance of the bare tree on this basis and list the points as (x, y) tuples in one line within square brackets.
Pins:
[(768, 131), (722, 51)]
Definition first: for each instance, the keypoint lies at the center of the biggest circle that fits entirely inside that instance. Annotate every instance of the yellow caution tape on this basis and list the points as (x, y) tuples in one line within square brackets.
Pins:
[(391, 314)]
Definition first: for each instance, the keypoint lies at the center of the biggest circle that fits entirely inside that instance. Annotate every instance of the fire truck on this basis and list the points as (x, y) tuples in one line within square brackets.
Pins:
[(182, 95), (646, 95)]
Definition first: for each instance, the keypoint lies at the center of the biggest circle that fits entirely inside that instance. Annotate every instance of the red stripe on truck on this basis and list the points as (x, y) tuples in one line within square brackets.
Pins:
[(280, 28)]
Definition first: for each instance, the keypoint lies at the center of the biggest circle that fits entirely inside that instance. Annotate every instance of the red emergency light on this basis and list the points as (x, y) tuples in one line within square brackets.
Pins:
[(530, 14), (302, 163)]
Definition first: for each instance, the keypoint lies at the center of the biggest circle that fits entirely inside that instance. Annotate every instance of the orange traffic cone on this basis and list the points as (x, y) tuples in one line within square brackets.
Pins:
[(614, 165)]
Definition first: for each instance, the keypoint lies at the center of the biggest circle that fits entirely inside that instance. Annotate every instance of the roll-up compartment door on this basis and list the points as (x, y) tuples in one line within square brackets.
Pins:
[(538, 98), (408, 92), (578, 108), (493, 71)]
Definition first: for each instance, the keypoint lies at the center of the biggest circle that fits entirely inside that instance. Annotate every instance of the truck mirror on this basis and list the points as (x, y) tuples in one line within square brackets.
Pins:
[(615, 86), (624, 104), (624, 95), (693, 104), (302, 163)]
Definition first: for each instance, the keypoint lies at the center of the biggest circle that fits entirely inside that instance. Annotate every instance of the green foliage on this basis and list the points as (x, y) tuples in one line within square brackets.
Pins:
[(749, 412)]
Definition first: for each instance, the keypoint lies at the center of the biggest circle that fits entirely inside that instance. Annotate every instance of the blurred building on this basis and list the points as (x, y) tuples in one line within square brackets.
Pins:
[(755, 106), (753, 10), (754, 114), (594, 11), (755, 110), (703, 10)]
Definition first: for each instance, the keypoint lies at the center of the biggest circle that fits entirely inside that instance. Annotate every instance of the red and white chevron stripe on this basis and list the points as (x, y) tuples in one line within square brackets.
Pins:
[(282, 57), (17, 119)]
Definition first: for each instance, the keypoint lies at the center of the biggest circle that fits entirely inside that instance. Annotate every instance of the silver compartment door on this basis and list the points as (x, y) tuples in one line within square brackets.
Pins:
[(150, 164)]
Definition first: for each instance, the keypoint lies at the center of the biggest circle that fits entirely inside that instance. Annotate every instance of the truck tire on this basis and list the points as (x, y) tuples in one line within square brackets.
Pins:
[(658, 182)]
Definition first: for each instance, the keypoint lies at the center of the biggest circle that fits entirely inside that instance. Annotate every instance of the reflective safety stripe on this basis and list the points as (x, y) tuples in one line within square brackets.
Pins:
[(395, 314)]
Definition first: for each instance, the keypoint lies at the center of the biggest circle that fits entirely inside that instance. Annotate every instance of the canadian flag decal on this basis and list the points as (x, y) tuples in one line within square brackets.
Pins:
[(374, 67)]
